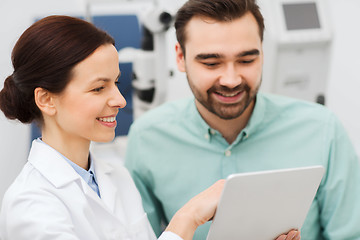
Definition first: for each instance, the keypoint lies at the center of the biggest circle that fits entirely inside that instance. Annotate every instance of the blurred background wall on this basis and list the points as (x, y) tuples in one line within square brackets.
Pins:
[(17, 15)]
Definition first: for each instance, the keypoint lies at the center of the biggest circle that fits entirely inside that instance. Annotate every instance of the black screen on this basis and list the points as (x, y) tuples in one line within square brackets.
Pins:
[(301, 16)]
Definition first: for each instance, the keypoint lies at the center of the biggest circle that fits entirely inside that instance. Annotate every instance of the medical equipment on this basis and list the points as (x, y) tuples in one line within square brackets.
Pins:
[(296, 45), (150, 65)]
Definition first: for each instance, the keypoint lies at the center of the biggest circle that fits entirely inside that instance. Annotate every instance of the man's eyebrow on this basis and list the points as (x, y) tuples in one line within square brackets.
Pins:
[(203, 56), (249, 53)]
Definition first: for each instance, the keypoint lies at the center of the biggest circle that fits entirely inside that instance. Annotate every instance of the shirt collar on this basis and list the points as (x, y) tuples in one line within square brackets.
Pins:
[(257, 115), (254, 122), (200, 125)]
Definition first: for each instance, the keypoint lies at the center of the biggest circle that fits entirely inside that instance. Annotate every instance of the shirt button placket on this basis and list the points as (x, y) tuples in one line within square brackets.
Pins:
[(227, 152), (207, 136)]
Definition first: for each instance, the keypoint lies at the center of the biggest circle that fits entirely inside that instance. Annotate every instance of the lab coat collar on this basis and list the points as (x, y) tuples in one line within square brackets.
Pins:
[(54, 167), (51, 164)]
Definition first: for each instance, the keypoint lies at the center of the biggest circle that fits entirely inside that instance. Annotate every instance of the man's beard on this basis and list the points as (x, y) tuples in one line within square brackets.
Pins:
[(224, 110)]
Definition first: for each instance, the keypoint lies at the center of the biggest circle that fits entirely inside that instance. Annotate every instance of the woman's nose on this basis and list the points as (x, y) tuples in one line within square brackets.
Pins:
[(117, 99)]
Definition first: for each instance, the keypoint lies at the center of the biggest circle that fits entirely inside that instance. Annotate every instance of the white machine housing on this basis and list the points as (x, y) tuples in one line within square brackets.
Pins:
[(150, 67), (297, 44)]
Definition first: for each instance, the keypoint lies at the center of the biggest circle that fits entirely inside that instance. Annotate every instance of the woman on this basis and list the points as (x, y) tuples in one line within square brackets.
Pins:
[(64, 79)]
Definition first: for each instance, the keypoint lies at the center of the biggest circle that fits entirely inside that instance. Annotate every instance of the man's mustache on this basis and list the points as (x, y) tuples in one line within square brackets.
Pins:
[(224, 89)]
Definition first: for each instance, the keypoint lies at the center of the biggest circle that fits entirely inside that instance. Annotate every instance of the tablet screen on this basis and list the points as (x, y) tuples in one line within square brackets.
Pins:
[(264, 205)]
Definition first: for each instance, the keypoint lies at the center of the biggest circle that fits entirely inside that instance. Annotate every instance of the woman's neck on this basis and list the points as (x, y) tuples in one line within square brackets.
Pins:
[(74, 148)]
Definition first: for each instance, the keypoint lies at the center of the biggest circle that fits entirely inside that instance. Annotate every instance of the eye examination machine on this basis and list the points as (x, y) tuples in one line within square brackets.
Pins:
[(150, 63), (297, 44)]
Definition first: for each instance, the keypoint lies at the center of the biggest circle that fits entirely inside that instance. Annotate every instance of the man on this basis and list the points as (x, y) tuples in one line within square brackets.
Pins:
[(181, 148)]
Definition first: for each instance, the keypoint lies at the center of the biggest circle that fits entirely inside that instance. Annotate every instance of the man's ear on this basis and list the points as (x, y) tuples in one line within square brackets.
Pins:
[(45, 101), (180, 58)]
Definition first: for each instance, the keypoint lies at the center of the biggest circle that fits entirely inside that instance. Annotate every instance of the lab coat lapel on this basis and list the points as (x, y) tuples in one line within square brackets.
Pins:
[(108, 190), (54, 168), (52, 165)]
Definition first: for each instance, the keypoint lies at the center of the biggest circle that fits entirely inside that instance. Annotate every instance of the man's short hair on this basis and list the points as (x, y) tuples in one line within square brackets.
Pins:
[(219, 10)]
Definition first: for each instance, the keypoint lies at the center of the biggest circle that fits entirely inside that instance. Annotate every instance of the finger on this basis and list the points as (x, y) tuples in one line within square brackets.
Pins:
[(290, 235), (281, 237), (297, 236), (293, 235)]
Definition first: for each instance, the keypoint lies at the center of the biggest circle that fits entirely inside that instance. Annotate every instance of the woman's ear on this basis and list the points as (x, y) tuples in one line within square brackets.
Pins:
[(180, 58), (44, 101)]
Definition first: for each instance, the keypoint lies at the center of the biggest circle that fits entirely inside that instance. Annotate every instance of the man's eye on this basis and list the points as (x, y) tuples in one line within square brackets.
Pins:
[(210, 64), (247, 61)]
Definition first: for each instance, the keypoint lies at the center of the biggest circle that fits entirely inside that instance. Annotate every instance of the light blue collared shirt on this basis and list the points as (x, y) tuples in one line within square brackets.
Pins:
[(88, 176), (173, 154)]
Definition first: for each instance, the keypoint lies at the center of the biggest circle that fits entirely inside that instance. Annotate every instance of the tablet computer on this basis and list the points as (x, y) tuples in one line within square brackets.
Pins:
[(263, 205)]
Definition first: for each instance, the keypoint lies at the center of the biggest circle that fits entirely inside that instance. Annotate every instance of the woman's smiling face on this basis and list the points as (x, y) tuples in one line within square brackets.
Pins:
[(88, 106)]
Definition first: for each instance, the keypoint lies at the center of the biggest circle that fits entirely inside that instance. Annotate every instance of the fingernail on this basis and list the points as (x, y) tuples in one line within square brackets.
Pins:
[(293, 234)]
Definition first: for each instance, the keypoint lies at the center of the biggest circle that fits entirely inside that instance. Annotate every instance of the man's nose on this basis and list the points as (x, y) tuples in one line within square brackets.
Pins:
[(231, 77)]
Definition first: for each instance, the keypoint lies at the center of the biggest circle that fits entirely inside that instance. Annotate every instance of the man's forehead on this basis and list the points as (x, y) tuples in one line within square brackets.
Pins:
[(203, 26), (208, 36)]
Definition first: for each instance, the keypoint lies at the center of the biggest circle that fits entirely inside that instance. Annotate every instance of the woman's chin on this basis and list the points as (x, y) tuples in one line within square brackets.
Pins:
[(104, 139)]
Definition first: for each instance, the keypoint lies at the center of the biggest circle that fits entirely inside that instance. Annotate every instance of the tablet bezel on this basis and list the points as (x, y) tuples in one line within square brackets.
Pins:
[(263, 205)]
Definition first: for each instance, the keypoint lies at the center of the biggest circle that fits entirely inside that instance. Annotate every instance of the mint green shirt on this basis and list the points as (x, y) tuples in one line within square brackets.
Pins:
[(174, 155)]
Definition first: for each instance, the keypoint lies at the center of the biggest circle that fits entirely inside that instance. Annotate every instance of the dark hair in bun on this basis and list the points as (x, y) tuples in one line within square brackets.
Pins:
[(44, 56), (17, 105)]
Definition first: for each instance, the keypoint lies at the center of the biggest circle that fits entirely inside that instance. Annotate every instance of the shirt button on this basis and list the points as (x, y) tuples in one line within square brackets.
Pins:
[(228, 153), (207, 136), (212, 131), (246, 135)]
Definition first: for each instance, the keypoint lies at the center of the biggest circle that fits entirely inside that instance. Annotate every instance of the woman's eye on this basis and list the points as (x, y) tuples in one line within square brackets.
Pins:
[(98, 89)]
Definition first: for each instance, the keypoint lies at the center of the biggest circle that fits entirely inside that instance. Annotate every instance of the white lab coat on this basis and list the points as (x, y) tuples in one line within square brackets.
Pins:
[(49, 200)]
